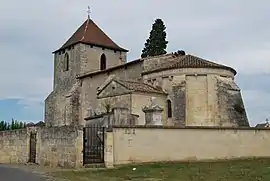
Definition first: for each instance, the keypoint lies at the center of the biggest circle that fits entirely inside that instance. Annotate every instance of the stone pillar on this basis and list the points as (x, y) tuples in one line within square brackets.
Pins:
[(153, 114), (79, 149), (108, 150)]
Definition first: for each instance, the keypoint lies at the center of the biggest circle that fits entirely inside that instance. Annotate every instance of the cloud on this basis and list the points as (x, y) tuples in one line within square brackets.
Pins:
[(256, 103), (235, 34)]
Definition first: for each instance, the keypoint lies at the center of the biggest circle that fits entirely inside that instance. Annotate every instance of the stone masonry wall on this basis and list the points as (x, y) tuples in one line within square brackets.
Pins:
[(83, 59), (55, 146), (91, 83), (230, 103), (60, 147), (55, 103), (179, 104), (138, 144), (14, 147)]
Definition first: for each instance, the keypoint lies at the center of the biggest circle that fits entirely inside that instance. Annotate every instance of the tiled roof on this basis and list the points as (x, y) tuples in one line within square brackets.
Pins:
[(263, 125), (187, 61), (90, 33), (139, 86)]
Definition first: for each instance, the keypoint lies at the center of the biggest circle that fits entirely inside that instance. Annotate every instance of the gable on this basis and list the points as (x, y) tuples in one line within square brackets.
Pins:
[(113, 88)]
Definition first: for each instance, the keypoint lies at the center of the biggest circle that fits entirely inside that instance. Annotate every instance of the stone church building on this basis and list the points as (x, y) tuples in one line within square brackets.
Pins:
[(93, 78)]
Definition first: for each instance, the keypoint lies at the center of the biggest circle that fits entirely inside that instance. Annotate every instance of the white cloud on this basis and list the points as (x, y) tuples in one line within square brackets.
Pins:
[(257, 103)]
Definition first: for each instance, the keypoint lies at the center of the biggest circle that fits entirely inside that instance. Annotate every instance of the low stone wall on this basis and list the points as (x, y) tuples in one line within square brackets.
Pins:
[(152, 144), (55, 146), (60, 147), (14, 147)]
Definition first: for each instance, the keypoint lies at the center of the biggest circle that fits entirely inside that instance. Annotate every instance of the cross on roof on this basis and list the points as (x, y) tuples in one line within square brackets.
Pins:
[(89, 12)]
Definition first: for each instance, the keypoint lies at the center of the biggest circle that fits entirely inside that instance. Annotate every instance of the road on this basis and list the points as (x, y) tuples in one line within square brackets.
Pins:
[(15, 174)]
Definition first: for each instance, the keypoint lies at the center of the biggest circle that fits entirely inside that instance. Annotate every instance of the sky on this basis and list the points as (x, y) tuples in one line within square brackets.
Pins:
[(234, 34)]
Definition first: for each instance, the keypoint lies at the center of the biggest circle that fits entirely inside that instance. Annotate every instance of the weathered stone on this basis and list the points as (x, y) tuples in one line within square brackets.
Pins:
[(195, 88), (179, 104), (153, 114)]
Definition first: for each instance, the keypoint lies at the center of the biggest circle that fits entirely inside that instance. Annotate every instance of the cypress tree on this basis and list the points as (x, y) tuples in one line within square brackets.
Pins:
[(156, 44), (12, 124)]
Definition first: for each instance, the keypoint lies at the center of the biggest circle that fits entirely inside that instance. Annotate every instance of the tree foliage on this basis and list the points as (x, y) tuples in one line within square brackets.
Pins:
[(156, 44), (14, 124)]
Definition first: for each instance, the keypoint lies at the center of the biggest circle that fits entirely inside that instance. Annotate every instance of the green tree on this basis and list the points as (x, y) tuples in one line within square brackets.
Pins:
[(12, 126), (156, 44), (2, 126), (21, 125)]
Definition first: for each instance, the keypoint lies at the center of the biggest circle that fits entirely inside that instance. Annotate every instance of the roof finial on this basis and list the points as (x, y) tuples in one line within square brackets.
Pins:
[(89, 12)]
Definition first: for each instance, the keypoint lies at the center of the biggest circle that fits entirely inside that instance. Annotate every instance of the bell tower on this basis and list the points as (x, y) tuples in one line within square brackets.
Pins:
[(88, 49)]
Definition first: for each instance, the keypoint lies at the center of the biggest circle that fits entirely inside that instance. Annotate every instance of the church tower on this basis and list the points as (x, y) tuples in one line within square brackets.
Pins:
[(89, 49)]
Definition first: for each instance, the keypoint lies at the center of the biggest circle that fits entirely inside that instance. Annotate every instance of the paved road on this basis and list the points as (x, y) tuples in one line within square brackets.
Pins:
[(15, 174)]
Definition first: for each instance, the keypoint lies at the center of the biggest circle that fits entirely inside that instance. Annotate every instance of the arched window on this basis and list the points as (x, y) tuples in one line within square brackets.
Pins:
[(66, 62), (169, 107), (103, 62)]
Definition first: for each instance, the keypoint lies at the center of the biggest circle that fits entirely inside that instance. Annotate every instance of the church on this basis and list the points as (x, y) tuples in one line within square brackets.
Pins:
[(93, 78)]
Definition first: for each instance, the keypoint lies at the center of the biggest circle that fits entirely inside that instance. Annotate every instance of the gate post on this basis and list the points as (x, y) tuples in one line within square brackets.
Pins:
[(84, 135), (108, 151)]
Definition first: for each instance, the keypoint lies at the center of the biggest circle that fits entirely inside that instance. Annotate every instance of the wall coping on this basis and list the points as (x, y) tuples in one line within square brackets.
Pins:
[(188, 127), (96, 116)]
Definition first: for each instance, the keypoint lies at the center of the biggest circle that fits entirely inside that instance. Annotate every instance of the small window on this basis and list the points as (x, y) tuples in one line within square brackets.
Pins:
[(169, 107), (103, 62), (66, 62)]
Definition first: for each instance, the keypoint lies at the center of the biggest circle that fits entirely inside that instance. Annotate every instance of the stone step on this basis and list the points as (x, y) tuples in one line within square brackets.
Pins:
[(95, 165)]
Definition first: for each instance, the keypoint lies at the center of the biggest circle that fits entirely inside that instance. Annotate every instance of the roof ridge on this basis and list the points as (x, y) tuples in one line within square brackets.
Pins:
[(156, 56), (210, 62), (85, 29), (189, 61), (131, 81), (203, 59), (119, 81)]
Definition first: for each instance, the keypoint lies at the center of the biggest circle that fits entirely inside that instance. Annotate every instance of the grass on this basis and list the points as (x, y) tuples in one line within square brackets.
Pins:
[(234, 170)]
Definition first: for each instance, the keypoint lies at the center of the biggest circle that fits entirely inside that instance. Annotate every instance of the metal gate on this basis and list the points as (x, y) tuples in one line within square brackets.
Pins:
[(33, 140), (93, 147)]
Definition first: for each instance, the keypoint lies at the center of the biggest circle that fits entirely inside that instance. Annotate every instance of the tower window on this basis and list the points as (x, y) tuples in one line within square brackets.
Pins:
[(103, 62), (66, 62), (169, 107)]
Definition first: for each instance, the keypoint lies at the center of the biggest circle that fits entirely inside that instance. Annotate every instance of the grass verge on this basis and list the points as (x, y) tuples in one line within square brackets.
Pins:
[(233, 170)]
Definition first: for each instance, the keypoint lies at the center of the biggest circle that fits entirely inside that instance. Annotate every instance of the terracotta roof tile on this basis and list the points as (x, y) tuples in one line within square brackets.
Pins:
[(90, 33), (139, 86), (187, 61)]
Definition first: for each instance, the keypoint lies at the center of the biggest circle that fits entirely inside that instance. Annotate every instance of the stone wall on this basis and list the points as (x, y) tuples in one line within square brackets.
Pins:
[(14, 147), (117, 116), (230, 103), (197, 104), (139, 100), (201, 96), (82, 59), (139, 144), (55, 147), (91, 83), (179, 104), (60, 147)]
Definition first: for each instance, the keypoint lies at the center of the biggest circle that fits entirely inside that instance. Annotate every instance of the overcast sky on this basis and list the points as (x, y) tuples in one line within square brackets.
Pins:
[(235, 34)]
